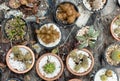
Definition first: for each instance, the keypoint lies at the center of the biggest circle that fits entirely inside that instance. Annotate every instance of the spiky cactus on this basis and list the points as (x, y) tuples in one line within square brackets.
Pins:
[(116, 55)]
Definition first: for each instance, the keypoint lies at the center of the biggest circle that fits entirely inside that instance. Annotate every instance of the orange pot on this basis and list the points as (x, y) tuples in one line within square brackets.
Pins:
[(83, 73), (14, 70), (42, 76), (111, 29), (75, 80)]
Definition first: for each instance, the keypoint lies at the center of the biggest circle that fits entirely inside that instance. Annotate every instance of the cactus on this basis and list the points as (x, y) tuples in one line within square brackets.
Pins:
[(103, 77), (49, 67), (116, 55), (108, 73)]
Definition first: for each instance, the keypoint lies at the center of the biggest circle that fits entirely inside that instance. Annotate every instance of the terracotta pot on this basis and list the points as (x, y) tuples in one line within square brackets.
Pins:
[(14, 70), (83, 73), (75, 80), (42, 76), (111, 29)]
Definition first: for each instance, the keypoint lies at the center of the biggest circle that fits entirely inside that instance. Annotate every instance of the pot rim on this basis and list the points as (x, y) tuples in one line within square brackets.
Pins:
[(25, 71), (83, 73), (111, 29), (59, 32), (75, 79), (45, 78)]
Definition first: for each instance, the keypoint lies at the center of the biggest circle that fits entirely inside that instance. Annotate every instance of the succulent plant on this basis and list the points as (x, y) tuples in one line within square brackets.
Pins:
[(108, 73), (49, 67), (103, 77), (85, 62), (19, 56), (80, 60), (116, 55), (88, 39)]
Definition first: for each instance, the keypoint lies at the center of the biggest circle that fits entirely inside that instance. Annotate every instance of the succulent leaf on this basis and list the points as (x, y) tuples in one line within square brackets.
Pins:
[(103, 77), (116, 55)]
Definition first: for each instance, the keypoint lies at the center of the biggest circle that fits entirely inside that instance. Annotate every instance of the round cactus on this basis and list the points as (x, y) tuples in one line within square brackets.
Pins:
[(116, 55)]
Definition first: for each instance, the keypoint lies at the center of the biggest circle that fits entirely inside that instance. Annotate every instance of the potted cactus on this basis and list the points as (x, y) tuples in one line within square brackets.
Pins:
[(112, 54), (106, 74), (49, 67), (20, 59), (115, 28), (87, 36), (75, 80), (80, 62), (15, 29)]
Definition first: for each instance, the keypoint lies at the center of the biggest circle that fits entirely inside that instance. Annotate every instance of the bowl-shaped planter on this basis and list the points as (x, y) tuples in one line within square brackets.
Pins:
[(106, 74), (80, 62), (112, 54), (49, 35), (49, 67), (15, 28), (115, 28), (94, 5), (66, 13), (75, 80), (20, 59)]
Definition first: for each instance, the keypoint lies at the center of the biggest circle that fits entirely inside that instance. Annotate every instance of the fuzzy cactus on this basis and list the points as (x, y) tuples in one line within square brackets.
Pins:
[(116, 55)]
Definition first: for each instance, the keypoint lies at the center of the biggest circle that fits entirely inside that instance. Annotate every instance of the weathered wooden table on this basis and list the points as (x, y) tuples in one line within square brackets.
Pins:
[(101, 21)]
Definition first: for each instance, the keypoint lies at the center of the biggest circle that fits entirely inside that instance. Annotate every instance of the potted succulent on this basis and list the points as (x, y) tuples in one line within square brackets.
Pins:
[(66, 13), (94, 5), (106, 74), (112, 54), (80, 62), (115, 28), (49, 67), (20, 59), (15, 28), (75, 80), (87, 36), (49, 35)]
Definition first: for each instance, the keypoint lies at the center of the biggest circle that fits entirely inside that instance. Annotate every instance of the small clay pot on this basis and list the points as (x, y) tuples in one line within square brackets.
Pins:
[(112, 31), (83, 73), (75, 80), (42, 76), (14, 70)]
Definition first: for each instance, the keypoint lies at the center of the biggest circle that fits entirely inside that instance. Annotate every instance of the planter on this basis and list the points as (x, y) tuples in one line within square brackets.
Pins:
[(15, 29), (49, 35), (115, 29), (75, 80), (66, 13), (112, 54), (20, 59), (106, 74), (80, 62), (49, 69), (94, 5)]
